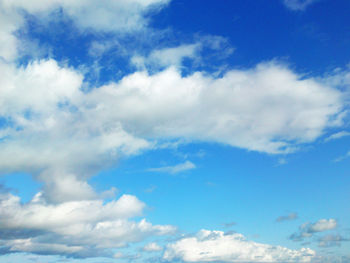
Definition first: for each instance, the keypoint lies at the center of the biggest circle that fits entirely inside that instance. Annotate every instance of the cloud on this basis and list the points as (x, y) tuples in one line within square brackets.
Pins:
[(86, 228), (308, 229), (63, 135), (215, 246), (174, 169), (167, 56), (298, 5), (107, 16), (291, 216), (331, 240), (152, 247), (337, 135)]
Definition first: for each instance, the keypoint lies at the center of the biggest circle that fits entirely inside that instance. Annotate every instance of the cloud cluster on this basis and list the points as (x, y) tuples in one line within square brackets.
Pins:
[(216, 246), (107, 16), (308, 229), (77, 228)]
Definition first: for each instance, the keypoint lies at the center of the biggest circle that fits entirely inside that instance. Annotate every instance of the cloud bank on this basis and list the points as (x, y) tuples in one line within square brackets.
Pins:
[(216, 246)]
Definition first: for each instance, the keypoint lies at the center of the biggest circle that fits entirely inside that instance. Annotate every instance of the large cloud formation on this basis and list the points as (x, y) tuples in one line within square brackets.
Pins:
[(62, 133), (54, 129), (216, 246), (86, 228)]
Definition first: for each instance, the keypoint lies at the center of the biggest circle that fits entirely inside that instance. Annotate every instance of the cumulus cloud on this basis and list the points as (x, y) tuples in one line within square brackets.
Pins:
[(298, 5), (308, 229), (216, 246), (291, 216), (174, 169), (76, 228), (64, 135)]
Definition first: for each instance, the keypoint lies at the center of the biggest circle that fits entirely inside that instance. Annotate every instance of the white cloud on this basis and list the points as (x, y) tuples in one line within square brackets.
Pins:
[(174, 169), (298, 5), (167, 57), (63, 135), (337, 135), (104, 15), (152, 247), (308, 229), (76, 228), (216, 246)]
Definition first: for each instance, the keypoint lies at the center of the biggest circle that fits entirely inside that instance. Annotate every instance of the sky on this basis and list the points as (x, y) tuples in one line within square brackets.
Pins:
[(177, 131)]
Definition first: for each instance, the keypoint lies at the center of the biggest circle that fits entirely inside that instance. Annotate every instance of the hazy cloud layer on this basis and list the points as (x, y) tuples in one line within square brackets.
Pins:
[(215, 246)]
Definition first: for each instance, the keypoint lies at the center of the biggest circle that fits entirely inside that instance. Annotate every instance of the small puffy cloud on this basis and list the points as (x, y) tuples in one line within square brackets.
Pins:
[(174, 169), (291, 216), (86, 228), (308, 229), (215, 246), (166, 57), (337, 135), (152, 247), (298, 5)]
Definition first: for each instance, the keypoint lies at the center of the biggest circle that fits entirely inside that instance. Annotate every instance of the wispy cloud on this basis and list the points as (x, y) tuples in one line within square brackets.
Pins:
[(337, 135), (291, 216), (174, 169), (298, 5)]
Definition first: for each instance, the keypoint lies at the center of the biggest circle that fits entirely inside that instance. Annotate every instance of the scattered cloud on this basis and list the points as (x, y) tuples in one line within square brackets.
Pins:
[(337, 135), (103, 16), (291, 216), (308, 229), (152, 247), (298, 5), (174, 169), (331, 240), (215, 246)]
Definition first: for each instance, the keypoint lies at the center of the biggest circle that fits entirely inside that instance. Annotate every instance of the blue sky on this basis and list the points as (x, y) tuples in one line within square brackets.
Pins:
[(174, 131)]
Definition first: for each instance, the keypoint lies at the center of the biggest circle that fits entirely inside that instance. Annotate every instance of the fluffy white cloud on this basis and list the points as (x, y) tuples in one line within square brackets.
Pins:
[(63, 135), (216, 246), (76, 228), (308, 229), (167, 56)]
